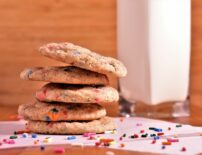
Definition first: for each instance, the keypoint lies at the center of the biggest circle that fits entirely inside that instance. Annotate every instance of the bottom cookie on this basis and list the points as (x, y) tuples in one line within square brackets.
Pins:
[(97, 126)]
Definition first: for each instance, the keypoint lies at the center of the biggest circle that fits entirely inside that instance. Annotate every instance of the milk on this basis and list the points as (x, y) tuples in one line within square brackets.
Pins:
[(154, 44)]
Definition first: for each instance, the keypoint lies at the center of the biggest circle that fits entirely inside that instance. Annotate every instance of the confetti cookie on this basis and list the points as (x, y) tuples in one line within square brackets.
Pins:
[(83, 58), (77, 93), (66, 74), (61, 112), (96, 126)]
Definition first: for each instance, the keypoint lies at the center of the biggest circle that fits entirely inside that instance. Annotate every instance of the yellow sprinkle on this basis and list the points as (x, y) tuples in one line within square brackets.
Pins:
[(175, 136), (111, 143)]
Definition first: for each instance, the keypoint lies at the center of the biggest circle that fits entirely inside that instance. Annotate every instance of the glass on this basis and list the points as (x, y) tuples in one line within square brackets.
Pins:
[(154, 44)]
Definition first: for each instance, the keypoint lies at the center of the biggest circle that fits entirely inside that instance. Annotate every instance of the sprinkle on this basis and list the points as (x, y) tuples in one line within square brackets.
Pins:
[(106, 132), (112, 143), (136, 136), (141, 131), (163, 147), (91, 138), (158, 130), (175, 136), (169, 128), (25, 135), (21, 132), (47, 140), (152, 135), (138, 124), (109, 153), (151, 128), (183, 149), (124, 135), (13, 137), (153, 142), (144, 135), (166, 143), (178, 126), (172, 140), (103, 140), (42, 147), (97, 143), (55, 110), (122, 145), (106, 144), (1, 143), (160, 133), (71, 137), (11, 142), (59, 150), (5, 140), (36, 142), (156, 137), (97, 100), (200, 134), (34, 135), (132, 136), (120, 138), (87, 134), (78, 144)]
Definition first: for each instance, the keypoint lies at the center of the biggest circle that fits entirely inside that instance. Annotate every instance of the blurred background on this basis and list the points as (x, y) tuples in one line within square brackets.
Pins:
[(26, 24)]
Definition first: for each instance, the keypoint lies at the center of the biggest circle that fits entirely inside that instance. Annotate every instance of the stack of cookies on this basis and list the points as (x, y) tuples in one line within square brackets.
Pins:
[(71, 102)]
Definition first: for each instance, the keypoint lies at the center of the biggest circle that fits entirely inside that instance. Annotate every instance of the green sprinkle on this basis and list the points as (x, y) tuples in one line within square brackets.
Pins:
[(13, 137), (178, 125)]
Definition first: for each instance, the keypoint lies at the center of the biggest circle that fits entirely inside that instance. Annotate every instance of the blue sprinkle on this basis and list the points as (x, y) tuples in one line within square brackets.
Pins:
[(47, 118), (71, 137), (34, 135), (24, 135), (156, 137), (163, 147), (158, 130)]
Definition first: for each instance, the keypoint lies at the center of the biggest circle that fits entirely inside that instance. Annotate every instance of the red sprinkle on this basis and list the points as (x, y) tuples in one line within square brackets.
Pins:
[(153, 142), (97, 143), (11, 142), (120, 138), (136, 136), (122, 145), (183, 149), (160, 133), (59, 150), (141, 131), (169, 128)]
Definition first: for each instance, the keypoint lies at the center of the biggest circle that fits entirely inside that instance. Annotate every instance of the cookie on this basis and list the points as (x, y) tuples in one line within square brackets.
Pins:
[(61, 112), (95, 126), (65, 74), (53, 92), (83, 58)]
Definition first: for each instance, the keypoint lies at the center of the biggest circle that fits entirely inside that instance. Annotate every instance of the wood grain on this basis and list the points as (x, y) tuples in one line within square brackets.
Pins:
[(27, 24)]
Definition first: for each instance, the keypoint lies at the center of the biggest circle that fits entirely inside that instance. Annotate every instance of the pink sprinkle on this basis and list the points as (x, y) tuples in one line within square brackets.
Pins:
[(59, 150), (0, 143), (153, 142), (138, 124), (5, 140), (172, 140), (141, 131), (88, 134), (97, 100), (11, 142)]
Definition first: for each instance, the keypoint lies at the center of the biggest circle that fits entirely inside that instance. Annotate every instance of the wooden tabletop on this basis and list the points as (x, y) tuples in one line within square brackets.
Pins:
[(7, 113)]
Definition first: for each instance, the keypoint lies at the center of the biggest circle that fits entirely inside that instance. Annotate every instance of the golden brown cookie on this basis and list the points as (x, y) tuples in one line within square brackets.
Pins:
[(61, 112), (97, 126), (83, 58), (77, 94), (65, 74)]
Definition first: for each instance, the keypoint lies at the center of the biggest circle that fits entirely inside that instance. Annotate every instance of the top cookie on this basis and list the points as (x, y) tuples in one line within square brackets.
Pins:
[(65, 74), (83, 58)]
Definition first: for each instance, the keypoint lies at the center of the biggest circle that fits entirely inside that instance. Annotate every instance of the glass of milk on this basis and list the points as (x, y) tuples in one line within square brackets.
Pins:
[(154, 44)]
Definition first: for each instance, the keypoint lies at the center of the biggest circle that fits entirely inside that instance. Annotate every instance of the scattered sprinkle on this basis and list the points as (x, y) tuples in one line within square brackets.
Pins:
[(153, 142), (141, 131), (172, 140), (124, 135), (163, 147), (169, 128), (71, 137), (166, 143), (160, 133), (13, 137), (122, 145), (156, 137), (97, 143), (25, 135), (178, 125), (11, 141), (183, 149), (34, 135), (59, 150), (144, 135)]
